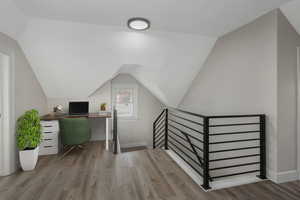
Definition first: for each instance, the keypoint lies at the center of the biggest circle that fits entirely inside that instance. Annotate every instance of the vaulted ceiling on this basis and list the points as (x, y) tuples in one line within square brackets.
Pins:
[(75, 46)]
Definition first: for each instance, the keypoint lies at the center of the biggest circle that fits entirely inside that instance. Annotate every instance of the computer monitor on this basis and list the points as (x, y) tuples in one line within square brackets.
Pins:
[(78, 107)]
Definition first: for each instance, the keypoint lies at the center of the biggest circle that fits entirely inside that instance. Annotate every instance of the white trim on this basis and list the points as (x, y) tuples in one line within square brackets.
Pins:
[(287, 176), (8, 137), (216, 185), (298, 110), (282, 177)]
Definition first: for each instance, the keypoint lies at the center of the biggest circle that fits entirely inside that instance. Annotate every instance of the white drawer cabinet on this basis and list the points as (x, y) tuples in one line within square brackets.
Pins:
[(50, 132)]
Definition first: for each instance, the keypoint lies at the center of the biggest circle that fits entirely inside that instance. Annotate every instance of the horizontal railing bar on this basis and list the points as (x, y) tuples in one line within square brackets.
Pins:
[(161, 132), (234, 116), (187, 162), (235, 174), (183, 138), (192, 159), (187, 112), (238, 124), (161, 128), (160, 143), (232, 133), (159, 116), (238, 149), (158, 138), (186, 126), (191, 121), (236, 157), (160, 123), (183, 132), (233, 141), (233, 166), (181, 144)]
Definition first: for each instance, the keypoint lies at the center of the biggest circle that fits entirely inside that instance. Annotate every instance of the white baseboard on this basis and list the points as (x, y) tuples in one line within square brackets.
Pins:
[(198, 179), (282, 177), (216, 185), (287, 176)]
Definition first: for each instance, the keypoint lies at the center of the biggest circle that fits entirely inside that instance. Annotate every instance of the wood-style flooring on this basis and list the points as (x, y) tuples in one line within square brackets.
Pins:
[(93, 174)]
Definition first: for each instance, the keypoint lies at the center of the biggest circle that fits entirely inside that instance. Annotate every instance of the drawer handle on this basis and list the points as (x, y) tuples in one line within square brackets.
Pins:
[(47, 126), (48, 146), (47, 139), (47, 132)]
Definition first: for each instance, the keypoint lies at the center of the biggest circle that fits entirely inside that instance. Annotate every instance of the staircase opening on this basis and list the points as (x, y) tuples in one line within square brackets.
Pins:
[(216, 151)]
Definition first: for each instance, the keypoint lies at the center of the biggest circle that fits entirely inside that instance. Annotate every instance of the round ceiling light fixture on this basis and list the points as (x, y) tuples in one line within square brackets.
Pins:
[(138, 24)]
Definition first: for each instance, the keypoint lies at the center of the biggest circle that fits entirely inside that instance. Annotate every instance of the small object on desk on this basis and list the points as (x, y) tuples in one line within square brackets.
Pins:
[(103, 107), (58, 109)]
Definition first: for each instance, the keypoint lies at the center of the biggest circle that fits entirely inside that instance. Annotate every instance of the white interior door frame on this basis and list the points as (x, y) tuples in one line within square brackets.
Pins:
[(7, 101), (298, 111)]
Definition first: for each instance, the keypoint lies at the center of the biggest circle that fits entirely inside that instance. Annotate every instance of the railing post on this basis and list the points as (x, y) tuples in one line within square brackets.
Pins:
[(166, 129), (262, 128), (206, 153), (154, 135)]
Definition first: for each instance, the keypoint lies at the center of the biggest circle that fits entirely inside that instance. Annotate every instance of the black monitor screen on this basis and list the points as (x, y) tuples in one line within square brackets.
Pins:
[(77, 108)]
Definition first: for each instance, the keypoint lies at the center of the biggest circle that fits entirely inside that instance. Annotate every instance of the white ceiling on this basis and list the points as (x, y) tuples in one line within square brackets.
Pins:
[(74, 46), (207, 17), (12, 21), (73, 60)]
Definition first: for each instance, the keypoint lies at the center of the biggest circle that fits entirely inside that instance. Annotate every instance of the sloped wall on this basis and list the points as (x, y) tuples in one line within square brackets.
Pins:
[(240, 77), (288, 41), (27, 94)]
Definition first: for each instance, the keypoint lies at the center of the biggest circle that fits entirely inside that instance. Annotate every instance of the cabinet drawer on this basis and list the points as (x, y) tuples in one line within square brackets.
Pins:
[(50, 135), (49, 142), (48, 150), (49, 126)]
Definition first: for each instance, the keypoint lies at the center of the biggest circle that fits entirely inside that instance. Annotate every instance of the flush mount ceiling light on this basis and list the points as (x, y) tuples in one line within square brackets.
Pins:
[(138, 24)]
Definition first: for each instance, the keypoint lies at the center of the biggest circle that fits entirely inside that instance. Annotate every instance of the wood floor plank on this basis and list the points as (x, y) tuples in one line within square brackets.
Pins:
[(95, 174)]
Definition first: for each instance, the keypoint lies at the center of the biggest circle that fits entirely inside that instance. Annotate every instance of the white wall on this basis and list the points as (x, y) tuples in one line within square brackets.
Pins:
[(12, 20), (240, 77), (26, 92), (138, 132), (288, 41)]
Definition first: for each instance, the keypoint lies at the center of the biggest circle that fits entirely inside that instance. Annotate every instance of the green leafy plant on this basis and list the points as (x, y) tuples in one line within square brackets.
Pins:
[(29, 133)]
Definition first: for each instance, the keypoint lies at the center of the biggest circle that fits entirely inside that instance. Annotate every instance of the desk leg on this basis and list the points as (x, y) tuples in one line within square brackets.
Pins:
[(107, 134)]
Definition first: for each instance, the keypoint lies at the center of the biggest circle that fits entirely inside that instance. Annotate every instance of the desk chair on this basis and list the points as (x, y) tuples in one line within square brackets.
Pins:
[(74, 132)]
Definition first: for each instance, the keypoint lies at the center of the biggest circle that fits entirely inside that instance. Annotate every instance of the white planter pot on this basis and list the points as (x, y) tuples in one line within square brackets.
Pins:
[(28, 159)]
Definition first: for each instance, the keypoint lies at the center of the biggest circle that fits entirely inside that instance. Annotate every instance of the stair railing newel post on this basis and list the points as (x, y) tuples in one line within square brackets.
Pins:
[(206, 153), (166, 129), (262, 128)]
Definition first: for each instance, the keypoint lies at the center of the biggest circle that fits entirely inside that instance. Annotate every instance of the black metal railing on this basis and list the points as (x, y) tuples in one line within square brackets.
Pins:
[(115, 132), (215, 147)]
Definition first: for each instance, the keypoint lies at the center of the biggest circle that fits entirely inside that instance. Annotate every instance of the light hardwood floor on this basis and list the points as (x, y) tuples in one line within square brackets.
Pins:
[(93, 174)]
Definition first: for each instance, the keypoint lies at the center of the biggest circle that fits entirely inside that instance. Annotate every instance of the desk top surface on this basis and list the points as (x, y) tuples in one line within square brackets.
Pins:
[(53, 116)]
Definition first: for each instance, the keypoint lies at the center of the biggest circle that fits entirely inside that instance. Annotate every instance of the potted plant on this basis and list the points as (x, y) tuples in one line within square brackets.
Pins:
[(28, 139), (103, 107)]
